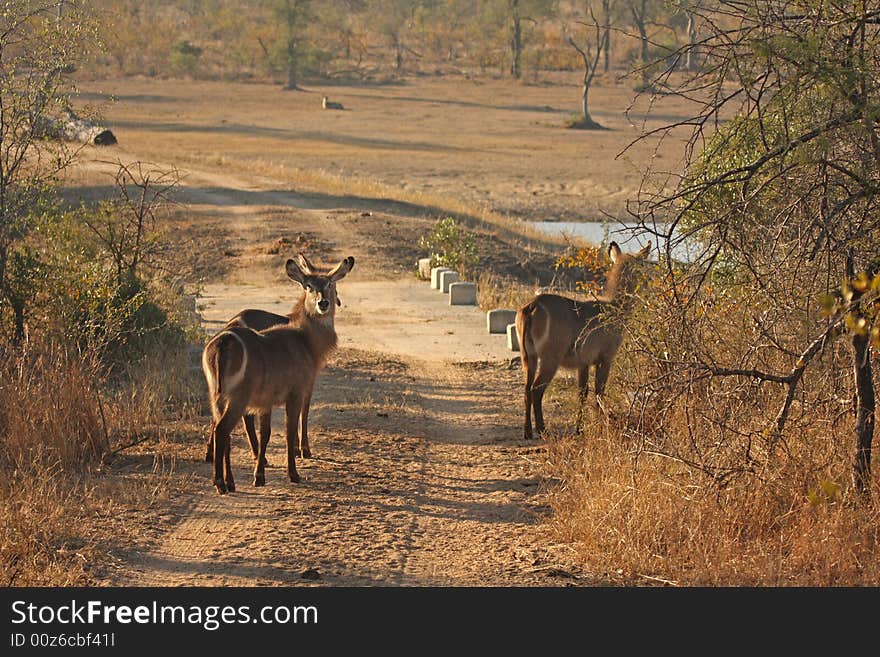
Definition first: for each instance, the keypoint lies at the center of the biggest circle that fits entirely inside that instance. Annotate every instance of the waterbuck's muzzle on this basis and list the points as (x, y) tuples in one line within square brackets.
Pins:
[(323, 305)]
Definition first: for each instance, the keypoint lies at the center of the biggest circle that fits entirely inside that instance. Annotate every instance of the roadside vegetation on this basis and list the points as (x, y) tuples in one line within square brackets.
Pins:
[(91, 319), (739, 448), (735, 446)]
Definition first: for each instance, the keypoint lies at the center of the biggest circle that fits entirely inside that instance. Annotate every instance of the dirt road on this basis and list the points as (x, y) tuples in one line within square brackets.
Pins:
[(420, 477)]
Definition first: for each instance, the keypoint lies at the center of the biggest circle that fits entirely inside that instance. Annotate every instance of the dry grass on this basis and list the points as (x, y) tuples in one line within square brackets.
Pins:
[(642, 518), (58, 428), (494, 291)]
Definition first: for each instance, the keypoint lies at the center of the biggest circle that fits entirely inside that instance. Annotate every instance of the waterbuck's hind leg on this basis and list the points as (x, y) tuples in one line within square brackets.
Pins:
[(546, 371), (260, 457), (529, 365), (221, 439), (227, 460), (304, 450)]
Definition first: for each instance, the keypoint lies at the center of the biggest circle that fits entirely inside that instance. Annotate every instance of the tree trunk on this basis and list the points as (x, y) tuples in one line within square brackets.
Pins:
[(515, 41), (865, 407), (639, 17), (585, 100), (606, 9), (292, 73), (607, 53), (863, 383), (692, 39)]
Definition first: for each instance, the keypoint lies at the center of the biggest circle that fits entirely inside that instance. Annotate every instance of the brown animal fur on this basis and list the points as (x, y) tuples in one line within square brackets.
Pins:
[(555, 331), (250, 372), (260, 320)]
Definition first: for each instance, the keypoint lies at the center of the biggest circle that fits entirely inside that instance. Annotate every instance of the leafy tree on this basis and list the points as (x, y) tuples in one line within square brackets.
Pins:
[(40, 41), (782, 202)]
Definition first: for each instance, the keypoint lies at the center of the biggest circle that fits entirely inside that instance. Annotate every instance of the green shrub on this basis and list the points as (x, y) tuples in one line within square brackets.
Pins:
[(184, 58), (449, 245)]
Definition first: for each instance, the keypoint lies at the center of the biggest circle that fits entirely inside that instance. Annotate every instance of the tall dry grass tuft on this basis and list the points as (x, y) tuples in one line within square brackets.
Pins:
[(494, 291), (642, 517), (50, 408), (51, 426), (59, 416)]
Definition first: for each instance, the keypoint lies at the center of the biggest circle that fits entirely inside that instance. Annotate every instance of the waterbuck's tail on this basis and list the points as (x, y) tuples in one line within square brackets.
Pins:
[(218, 364), (524, 332)]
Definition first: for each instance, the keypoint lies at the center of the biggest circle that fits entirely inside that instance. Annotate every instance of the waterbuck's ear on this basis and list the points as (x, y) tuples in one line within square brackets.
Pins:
[(645, 250), (307, 267), (295, 272), (340, 270), (614, 252)]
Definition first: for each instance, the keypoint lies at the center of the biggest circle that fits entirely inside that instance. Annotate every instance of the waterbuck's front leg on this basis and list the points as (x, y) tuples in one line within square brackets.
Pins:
[(260, 456), (251, 431), (304, 450), (294, 408), (583, 377), (603, 369)]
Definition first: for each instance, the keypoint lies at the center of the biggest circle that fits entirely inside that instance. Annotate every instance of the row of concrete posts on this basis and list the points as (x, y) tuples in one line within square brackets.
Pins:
[(464, 293)]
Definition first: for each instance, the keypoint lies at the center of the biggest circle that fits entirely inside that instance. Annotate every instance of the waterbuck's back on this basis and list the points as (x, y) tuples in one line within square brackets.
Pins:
[(261, 369), (571, 332), (257, 320)]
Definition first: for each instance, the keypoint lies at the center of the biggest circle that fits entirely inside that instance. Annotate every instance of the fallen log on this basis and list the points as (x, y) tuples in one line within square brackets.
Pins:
[(73, 128)]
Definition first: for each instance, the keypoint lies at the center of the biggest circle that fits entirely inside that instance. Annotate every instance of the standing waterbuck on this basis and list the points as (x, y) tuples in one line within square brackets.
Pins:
[(556, 331), (260, 320), (251, 372)]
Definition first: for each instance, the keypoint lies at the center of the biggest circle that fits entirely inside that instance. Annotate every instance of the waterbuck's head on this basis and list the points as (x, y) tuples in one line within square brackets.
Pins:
[(319, 286), (625, 274)]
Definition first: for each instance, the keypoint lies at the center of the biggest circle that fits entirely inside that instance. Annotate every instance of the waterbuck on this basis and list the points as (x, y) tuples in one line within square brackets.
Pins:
[(556, 331), (260, 320), (251, 372)]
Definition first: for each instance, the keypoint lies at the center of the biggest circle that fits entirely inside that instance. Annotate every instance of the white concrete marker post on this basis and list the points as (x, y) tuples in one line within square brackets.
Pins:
[(498, 319), (447, 278), (435, 276), (512, 341), (424, 265), (463, 294)]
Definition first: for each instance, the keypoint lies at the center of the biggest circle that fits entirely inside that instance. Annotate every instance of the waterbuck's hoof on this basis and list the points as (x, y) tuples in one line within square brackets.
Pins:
[(260, 480), (304, 453), (221, 486), (230, 486), (294, 478)]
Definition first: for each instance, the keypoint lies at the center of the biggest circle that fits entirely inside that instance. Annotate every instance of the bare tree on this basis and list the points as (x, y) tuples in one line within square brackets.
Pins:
[(590, 54)]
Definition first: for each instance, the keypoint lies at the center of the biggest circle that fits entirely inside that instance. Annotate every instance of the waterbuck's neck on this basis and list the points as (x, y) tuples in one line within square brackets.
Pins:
[(620, 284), (318, 330)]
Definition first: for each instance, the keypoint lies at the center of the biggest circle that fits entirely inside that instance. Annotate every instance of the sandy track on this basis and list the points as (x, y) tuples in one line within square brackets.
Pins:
[(420, 477)]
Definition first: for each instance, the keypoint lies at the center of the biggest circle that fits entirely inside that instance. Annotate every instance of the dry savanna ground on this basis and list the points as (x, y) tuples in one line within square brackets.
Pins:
[(421, 476)]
